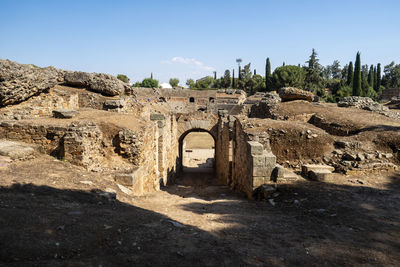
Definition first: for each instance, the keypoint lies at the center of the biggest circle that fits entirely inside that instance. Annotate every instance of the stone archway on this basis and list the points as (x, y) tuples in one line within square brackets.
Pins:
[(181, 142), (196, 122)]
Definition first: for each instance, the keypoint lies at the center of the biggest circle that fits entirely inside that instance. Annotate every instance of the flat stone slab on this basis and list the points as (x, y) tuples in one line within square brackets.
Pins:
[(126, 179), (113, 103), (321, 175), (305, 169), (14, 150), (4, 161), (64, 113)]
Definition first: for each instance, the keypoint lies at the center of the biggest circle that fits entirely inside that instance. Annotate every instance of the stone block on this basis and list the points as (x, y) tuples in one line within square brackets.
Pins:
[(258, 181), (157, 117), (14, 150), (64, 113), (127, 179), (255, 148), (113, 104), (261, 171), (321, 175), (270, 160), (305, 169), (259, 160)]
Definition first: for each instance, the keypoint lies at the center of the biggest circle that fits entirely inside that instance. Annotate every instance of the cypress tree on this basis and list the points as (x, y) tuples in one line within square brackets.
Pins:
[(233, 78), (357, 76), (151, 76), (378, 77), (350, 74), (268, 75), (375, 79), (255, 72), (371, 76), (240, 73)]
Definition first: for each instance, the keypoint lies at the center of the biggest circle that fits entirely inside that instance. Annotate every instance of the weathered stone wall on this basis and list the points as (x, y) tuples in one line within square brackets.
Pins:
[(47, 137), (82, 145), (252, 164), (223, 162), (41, 105), (168, 147)]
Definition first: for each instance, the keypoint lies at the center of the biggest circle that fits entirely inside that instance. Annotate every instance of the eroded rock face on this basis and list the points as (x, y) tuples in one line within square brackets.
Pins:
[(291, 93), (98, 82), (77, 78), (19, 82)]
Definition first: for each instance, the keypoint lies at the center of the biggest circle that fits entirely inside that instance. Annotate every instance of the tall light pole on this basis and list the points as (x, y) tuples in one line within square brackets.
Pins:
[(238, 61)]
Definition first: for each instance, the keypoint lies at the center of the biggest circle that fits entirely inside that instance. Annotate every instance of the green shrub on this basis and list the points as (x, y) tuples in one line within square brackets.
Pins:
[(174, 82), (123, 77), (150, 83), (288, 76)]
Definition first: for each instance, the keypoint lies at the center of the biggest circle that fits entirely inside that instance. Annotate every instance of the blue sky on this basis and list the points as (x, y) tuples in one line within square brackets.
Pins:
[(191, 39)]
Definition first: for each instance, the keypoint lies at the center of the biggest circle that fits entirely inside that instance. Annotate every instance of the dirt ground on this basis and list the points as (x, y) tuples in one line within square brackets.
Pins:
[(56, 214)]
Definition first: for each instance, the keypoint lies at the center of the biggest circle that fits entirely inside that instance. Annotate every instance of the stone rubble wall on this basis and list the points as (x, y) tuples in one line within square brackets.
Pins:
[(41, 105), (82, 145), (266, 107), (367, 103)]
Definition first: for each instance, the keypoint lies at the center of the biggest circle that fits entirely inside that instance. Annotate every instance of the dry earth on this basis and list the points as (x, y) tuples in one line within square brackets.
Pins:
[(57, 214)]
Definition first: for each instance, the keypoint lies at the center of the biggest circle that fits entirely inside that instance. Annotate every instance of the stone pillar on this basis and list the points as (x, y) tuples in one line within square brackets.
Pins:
[(262, 163), (161, 147)]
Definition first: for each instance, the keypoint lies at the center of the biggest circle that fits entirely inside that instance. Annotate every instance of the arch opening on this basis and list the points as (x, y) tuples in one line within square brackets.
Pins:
[(197, 157)]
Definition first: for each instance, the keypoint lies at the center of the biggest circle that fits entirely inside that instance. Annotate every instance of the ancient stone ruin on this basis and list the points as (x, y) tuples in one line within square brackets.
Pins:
[(136, 135)]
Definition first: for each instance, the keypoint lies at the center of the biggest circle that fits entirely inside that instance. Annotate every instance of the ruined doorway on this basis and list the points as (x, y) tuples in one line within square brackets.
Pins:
[(197, 157)]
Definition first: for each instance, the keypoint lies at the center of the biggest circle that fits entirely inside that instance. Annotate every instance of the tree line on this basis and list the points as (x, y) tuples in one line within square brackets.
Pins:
[(331, 82)]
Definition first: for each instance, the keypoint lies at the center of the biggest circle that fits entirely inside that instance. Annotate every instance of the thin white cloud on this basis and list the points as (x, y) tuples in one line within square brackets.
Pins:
[(190, 62)]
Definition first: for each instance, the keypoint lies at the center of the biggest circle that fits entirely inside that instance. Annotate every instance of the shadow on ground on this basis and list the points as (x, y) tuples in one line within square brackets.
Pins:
[(311, 223), (307, 224), (45, 226)]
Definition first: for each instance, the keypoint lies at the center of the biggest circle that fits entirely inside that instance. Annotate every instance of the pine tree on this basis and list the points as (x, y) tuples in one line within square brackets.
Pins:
[(268, 75), (357, 76), (378, 77), (371, 76), (350, 75), (314, 81)]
